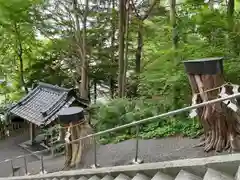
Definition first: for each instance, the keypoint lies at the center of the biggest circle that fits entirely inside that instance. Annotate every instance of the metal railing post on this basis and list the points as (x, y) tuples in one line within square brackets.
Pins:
[(137, 143), (95, 165), (42, 165), (136, 160), (25, 165), (52, 148), (11, 162)]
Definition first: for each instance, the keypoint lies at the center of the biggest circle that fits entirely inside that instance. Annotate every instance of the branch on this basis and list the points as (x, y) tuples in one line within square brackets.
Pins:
[(147, 13), (149, 10), (135, 10)]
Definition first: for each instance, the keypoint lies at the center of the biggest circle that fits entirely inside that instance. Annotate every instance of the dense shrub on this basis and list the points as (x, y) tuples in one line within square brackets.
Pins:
[(123, 111)]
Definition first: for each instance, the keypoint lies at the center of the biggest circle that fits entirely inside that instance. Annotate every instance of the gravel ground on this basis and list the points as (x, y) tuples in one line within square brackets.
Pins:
[(9, 148), (154, 150), (122, 153)]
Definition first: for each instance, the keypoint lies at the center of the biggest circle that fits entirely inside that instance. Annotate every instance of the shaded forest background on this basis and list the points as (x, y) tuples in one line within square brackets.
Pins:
[(134, 48)]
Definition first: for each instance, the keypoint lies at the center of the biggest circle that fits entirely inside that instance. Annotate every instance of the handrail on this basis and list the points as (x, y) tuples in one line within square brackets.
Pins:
[(158, 116), (135, 123)]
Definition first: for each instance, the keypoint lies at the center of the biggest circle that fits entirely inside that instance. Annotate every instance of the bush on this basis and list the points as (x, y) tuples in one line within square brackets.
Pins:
[(122, 111)]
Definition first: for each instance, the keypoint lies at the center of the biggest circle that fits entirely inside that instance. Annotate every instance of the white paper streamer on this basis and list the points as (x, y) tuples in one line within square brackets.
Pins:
[(228, 102), (235, 88), (223, 95), (223, 92), (68, 134), (233, 106), (194, 111)]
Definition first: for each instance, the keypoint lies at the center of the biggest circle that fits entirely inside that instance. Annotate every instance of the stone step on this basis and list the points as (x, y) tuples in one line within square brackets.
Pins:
[(122, 177), (72, 178), (63, 178), (107, 177), (184, 175), (140, 177), (212, 174), (162, 176), (82, 178), (94, 178), (237, 176)]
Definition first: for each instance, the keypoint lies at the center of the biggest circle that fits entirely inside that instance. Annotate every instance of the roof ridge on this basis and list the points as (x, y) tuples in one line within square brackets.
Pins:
[(54, 87)]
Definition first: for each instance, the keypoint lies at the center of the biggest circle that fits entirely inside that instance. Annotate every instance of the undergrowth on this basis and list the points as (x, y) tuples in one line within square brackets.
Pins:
[(122, 111)]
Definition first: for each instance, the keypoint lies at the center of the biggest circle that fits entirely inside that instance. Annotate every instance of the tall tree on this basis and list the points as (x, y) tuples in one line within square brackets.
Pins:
[(80, 35), (122, 24), (230, 12), (139, 49), (127, 23), (173, 23), (230, 7), (18, 30), (85, 64), (19, 52), (113, 59)]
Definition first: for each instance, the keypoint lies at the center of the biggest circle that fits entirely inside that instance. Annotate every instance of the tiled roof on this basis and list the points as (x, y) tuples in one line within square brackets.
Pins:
[(42, 104)]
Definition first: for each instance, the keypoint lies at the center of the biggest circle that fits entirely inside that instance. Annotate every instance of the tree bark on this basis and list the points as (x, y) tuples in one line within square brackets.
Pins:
[(173, 23), (112, 77), (219, 122), (122, 22), (139, 49), (230, 8), (19, 52), (126, 45), (74, 151), (85, 64), (138, 56), (95, 91), (78, 40)]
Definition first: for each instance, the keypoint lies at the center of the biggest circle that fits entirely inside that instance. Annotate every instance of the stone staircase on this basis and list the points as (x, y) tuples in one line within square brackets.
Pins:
[(224, 167)]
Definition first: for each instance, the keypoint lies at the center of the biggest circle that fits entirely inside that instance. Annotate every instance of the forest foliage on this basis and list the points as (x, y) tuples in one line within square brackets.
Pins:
[(137, 52)]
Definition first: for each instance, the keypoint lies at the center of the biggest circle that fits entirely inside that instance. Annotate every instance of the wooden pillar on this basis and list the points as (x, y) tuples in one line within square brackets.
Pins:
[(32, 132)]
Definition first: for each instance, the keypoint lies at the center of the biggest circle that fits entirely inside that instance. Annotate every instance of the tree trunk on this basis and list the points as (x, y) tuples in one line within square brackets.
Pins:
[(138, 56), (19, 52), (219, 121), (112, 77), (95, 91), (230, 8), (173, 23), (122, 21), (232, 35), (78, 40), (22, 71), (74, 151), (139, 49), (126, 45), (84, 69)]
